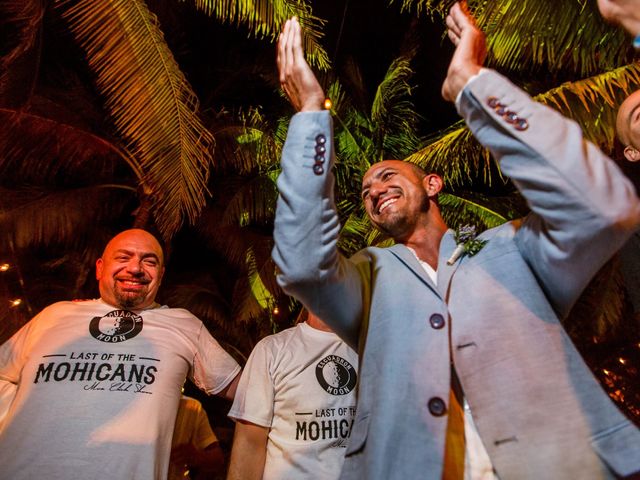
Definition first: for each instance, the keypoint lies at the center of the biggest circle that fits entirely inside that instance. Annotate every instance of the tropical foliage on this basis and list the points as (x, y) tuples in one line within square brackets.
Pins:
[(166, 115)]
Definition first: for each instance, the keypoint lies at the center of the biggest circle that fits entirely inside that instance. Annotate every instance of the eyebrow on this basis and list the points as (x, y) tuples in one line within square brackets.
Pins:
[(378, 174), (143, 256)]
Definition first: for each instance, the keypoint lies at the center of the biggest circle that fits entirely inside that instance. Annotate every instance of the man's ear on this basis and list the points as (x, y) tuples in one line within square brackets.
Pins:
[(631, 153), (98, 268), (432, 184)]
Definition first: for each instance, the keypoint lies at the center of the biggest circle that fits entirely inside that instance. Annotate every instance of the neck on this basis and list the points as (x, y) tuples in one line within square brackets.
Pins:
[(425, 241), (315, 322)]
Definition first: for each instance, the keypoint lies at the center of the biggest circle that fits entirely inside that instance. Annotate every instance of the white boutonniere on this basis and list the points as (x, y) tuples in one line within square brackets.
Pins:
[(466, 242)]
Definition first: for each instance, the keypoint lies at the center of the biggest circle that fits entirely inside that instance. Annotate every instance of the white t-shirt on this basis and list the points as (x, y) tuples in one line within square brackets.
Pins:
[(192, 426), (300, 383), (98, 389)]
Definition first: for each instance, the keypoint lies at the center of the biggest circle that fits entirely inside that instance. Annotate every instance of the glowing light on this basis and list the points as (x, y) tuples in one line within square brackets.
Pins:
[(15, 302), (606, 372), (328, 104), (622, 361), (276, 310), (4, 267)]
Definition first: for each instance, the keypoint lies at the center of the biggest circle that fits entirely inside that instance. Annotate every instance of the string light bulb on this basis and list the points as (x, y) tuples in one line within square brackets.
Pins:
[(16, 302), (4, 267)]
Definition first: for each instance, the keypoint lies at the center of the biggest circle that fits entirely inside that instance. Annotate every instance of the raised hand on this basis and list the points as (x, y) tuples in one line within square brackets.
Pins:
[(470, 52), (296, 77)]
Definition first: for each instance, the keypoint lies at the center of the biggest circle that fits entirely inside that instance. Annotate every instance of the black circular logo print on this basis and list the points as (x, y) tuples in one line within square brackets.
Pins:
[(116, 326), (335, 375)]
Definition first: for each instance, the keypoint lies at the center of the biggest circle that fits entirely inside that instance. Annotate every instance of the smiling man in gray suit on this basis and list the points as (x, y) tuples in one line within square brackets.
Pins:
[(466, 371)]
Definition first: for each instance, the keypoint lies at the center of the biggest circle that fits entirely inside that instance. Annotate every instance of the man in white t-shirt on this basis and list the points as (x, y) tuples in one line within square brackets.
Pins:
[(194, 445), (98, 381), (294, 406)]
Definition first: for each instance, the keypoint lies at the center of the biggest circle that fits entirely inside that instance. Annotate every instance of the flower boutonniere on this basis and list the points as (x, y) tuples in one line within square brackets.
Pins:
[(466, 242)]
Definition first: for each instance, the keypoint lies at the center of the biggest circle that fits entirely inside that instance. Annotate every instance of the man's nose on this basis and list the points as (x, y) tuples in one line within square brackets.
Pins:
[(135, 266), (375, 190)]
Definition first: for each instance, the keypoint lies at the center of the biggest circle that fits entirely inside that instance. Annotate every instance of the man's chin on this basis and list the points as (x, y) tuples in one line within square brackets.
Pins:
[(391, 229), (129, 301)]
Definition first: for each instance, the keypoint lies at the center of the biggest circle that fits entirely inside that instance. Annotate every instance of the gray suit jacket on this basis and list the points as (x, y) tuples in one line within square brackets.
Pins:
[(537, 407)]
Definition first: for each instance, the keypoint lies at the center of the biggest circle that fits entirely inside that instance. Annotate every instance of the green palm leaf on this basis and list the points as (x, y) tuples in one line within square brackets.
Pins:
[(153, 107), (393, 115), (556, 38), (479, 210), (265, 18)]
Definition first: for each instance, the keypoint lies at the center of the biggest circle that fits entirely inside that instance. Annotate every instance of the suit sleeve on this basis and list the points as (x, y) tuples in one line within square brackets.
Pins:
[(582, 207), (307, 228)]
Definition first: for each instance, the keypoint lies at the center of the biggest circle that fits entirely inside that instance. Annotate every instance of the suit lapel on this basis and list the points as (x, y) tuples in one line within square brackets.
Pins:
[(445, 272), (409, 259)]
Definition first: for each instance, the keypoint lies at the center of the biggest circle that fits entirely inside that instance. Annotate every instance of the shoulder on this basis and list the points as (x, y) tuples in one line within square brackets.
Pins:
[(505, 231), (68, 306), (278, 340), (174, 314)]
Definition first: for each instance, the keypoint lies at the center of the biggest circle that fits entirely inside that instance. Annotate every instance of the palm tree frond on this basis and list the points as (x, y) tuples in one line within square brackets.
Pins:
[(593, 102), (21, 21), (476, 210), (151, 103), (40, 150), (265, 18), (37, 216), (550, 37), (394, 118)]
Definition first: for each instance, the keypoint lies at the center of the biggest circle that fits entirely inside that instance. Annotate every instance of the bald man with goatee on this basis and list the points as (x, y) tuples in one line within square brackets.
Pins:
[(98, 382)]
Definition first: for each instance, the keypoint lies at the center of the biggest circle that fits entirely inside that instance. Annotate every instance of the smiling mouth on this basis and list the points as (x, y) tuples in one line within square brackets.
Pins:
[(133, 284), (386, 203)]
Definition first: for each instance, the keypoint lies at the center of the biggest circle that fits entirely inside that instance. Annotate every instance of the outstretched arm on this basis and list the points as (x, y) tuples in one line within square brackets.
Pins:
[(583, 207), (307, 226)]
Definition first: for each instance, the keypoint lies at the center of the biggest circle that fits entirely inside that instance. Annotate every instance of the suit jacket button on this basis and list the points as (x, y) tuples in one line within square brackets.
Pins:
[(321, 139), (437, 321), (437, 407), (319, 158), (320, 149), (511, 117), (521, 124), (318, 169), (493, 102)]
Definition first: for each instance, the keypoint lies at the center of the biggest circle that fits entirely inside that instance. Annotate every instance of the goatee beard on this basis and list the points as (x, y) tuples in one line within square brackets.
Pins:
[(127, 302)]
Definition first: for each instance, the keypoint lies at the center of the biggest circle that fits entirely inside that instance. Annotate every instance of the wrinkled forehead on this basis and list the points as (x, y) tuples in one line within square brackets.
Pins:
[(135, 241), (377, 169)]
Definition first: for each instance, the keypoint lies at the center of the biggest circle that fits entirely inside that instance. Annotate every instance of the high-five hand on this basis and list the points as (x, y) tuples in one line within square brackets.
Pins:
[(470, 52), (296, 77)]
